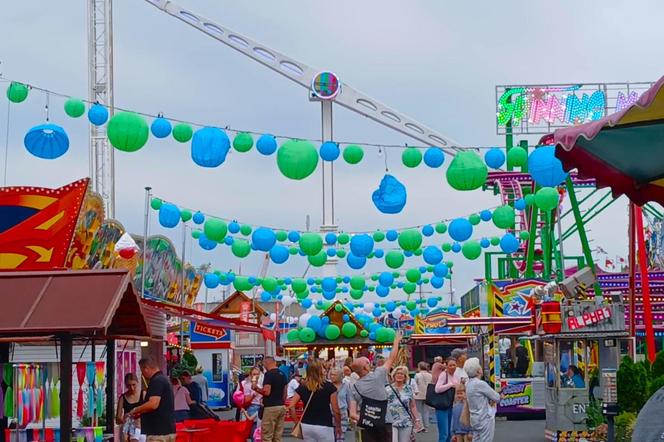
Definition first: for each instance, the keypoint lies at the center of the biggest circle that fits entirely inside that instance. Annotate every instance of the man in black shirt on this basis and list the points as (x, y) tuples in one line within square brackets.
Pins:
[(158, 411), (274, 393)]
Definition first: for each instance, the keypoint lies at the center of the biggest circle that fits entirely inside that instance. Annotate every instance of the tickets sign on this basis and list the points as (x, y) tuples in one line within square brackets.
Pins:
[(207, 332), (589, 318)]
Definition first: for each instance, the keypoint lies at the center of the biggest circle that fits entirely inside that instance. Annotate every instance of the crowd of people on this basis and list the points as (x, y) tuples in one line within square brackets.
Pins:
[(369, 400)]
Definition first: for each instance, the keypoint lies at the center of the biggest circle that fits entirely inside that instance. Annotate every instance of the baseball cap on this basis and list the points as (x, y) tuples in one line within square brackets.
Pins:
[(649, 424)]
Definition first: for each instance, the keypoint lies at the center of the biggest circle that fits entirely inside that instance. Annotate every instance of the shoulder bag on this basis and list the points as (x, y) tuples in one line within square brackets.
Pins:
[(440, 401), (372, 412), (297, 429), (410, 416)]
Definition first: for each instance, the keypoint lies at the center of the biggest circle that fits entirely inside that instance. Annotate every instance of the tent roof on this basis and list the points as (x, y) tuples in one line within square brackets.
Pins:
[(84, 303)]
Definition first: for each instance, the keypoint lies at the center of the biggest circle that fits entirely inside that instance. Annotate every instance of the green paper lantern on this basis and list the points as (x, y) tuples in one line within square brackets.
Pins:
[(349, 329), (293, 250), (155, 203), (196, 234), (17, 92), (471, 250), (547, 198), (74, 107), (517, 157), (467, 171), (394, 259), (357, 282), (341, 253), (409, 287), (241, 248), (529, 199), (449, 264), (307, 335), (390, 334), (242, 284), (299, 285), (378, 236), (371, 288), (215, 229), (297, 159), (311, 243), (495, 241), (269, 284), (447, 247), (245, 229), (281, 236), (382, 335), (243, 142), (441, 228), (185, 215), (474, 219), (411, 305), (127, 131), (353, 154), (364, 333), (503, 217), (302, 295), (182, 132), (410, 240), (293, 335), (418, 252), (356, 294), (318, 260), (343, 238), (338, 307), (413, 275), (524, 235), (411, 157), (374, 277), (332, 332)]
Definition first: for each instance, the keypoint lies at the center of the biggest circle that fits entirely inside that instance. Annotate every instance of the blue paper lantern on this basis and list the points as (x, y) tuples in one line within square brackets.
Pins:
[(437, 282), (266, 297), (306, 303), (377, 312), (211, 280), (509, 243), (329, 295), (293, 236), (198, 218), (452, 309), (346, 279), (361, 245), (456, 247), (486, 215), (329, 284), (434, 157), (279, 254), (229, 240), (391, 235), (485, 243), (97, 114), (345, 318), (47, 141), (390, 306), (386, 279), (427, 230), (432, 302), (382, 291), (545, 168), (330, 238), (315, 322), (379, 253), (391, 195), (520, 204), (440, 270), (209, 147), (494, 158), (233, 227), (160, 127), (169, 215), (460, 229), (263, 238), (355, 262), (329, 151), (266, 144), (331, 252), (432, 255), (205, 243)]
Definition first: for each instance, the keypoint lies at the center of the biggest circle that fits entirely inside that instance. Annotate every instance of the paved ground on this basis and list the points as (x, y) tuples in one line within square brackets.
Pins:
[(506, 431)]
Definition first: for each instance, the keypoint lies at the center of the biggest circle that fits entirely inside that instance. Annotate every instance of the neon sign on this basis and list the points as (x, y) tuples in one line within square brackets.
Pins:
[(536, 109)]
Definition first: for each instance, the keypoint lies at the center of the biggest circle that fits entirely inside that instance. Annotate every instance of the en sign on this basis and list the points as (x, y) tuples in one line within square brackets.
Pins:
[(209, 330), (588, 318)]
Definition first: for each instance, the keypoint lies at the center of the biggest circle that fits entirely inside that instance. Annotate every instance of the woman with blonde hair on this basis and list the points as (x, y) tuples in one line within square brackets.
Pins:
[(318, 395), (401, 406)]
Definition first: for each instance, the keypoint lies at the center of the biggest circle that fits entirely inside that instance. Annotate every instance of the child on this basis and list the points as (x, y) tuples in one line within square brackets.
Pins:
[(460, 432)]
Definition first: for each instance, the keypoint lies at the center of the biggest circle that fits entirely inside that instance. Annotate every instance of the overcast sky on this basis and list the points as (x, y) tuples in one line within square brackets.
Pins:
[(438, 62)]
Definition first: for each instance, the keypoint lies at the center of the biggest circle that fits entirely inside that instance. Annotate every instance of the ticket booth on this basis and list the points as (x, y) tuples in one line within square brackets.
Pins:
[(211, 345)]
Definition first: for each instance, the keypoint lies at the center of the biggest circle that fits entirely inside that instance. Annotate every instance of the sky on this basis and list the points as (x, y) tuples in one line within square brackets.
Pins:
[(438, 62)]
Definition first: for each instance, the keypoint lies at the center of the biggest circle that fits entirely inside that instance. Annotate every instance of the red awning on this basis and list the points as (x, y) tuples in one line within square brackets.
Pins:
[(82, 303)]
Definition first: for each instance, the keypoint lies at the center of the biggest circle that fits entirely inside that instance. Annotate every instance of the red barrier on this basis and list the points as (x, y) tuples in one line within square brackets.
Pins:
[(299, 409), (212, 431)]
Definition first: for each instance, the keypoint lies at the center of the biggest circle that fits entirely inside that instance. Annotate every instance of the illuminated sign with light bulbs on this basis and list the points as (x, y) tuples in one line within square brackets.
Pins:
[(540, 109)]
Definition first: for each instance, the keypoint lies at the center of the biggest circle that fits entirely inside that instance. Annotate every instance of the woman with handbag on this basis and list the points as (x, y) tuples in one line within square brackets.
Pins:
[(320, 399), (401, 407), (444, 399), (480, 397)]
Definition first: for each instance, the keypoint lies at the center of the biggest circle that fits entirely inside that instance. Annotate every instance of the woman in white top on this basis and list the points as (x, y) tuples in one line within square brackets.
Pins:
[(292, 385), (249, 394), (422, 379), (479, 395)]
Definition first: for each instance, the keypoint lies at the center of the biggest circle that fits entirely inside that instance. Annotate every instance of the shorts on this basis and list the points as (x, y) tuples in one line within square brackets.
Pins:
[(164, 438)]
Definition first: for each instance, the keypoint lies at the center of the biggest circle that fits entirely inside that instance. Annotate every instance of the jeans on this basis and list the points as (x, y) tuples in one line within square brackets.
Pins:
[(272, 425), (444, 419), (252, 411), (166, 438), (181, 415), (425, 412)]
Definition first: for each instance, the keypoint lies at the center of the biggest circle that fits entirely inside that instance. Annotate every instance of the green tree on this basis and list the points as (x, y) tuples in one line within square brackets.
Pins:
[(632, 380), (658, 365)]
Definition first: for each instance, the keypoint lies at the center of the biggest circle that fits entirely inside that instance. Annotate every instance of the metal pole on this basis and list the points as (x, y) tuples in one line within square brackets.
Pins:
[(66, 361), (561, 269), (328, 225), (110, 385), (146, 222), (632, 274), (182, 288), (645, 285)]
